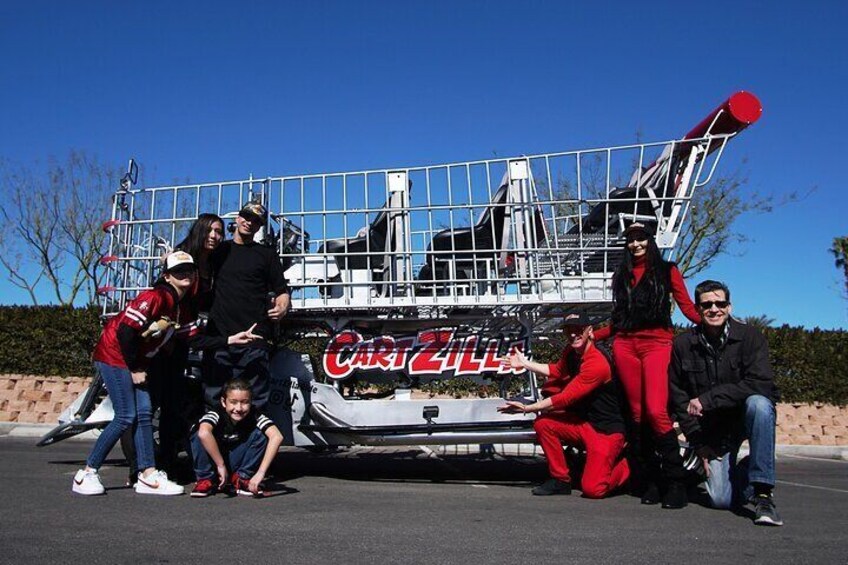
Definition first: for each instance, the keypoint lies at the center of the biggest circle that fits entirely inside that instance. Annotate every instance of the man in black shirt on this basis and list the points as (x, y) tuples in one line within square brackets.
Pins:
[(249, 289)]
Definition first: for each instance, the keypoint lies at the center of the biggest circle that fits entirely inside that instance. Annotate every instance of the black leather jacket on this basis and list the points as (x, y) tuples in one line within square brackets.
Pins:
[(722, 380)]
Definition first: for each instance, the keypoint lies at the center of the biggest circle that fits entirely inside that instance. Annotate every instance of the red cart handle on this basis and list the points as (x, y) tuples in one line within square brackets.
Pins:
[(737, 112)]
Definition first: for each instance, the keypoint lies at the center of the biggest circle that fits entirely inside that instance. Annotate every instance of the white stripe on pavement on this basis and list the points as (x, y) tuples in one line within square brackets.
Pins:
[(790, 483), (809, 458)]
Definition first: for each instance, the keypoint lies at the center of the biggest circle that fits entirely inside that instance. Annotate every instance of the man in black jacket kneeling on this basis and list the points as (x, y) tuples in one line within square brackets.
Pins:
[(722, 392)]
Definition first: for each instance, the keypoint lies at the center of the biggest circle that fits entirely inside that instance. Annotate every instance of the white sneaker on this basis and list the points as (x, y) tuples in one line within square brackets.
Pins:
[(87, 483), (157, 482)]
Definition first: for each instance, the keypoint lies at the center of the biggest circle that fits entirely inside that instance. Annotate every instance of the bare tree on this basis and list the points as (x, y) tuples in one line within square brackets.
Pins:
[(840, 254), (713, 211), (54, 214)]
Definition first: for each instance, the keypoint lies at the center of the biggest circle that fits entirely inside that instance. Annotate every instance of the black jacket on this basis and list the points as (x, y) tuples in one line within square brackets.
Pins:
[(721, 381)]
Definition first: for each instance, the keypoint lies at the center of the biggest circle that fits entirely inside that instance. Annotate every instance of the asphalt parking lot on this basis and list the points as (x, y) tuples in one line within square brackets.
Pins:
[(398, 505)]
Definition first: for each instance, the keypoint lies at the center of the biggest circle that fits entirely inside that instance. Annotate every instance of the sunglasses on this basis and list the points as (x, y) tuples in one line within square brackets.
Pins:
[(633, 238), (252, 218), (720, 304), (182, 273)]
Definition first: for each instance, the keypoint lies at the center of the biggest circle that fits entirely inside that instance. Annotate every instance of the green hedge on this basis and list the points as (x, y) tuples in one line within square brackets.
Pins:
[(809, 365), (47, 340)]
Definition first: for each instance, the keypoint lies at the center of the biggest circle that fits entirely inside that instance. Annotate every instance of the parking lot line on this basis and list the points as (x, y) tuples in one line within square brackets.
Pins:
[(811, 486), (808, 458)]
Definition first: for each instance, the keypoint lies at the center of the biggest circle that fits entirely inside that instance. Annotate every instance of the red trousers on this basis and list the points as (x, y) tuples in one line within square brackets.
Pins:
[(642, 365), (606, 469)]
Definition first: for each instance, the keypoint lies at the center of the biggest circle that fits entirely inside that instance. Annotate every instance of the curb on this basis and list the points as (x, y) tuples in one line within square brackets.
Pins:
[(837, 452), (14, 429)]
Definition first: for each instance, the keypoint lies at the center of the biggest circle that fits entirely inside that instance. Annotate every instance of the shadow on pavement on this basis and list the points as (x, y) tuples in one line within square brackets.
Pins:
[(410, 465)]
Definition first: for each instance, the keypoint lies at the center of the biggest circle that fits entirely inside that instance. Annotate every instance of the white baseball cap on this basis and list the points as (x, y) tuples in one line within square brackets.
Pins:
[(177, 259)]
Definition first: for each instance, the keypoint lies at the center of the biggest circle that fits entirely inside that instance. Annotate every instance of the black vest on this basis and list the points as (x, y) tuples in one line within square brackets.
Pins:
[(646, 305), (603, 407)]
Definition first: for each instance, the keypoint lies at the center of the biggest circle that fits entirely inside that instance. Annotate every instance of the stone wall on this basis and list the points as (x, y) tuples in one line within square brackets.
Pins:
[(812, 424), (37, 399)]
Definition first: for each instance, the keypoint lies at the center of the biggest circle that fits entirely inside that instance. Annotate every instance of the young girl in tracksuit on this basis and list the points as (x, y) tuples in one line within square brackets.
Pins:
[(128, 343), (643, 286)]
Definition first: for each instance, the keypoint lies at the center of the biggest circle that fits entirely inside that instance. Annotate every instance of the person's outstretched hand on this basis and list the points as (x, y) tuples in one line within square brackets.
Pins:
[(512, 407), (244, 338)]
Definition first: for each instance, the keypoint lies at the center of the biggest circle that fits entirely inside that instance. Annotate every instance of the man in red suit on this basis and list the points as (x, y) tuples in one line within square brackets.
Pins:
[(581, 407)]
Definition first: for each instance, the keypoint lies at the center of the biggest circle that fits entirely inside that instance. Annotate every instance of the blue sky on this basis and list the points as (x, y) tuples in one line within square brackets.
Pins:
[(212, 91)]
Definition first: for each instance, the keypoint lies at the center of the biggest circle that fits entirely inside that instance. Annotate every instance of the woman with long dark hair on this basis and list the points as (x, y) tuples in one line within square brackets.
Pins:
[(180, 399), (204, 237), (643, 286)]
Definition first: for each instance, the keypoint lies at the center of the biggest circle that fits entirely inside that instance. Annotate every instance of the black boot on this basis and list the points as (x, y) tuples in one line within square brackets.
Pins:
[(673, 472), (651, 494), (675, 495), (644, 467)]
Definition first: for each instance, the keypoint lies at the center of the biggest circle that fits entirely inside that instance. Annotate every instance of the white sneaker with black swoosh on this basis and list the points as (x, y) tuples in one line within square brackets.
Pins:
[(157, 482), (87, 483)]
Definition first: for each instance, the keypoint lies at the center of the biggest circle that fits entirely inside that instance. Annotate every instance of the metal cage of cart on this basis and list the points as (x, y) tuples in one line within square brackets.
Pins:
[(479, 242)]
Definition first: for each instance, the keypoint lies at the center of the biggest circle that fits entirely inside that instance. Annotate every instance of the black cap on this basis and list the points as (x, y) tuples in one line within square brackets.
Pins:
[(638, 227), (581, 319)]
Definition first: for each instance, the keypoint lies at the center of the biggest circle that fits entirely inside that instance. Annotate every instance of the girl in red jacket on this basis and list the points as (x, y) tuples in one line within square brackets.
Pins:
[(643, 286)]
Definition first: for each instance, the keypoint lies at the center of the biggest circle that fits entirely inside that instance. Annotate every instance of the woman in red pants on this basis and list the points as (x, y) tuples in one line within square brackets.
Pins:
[(643, 286)]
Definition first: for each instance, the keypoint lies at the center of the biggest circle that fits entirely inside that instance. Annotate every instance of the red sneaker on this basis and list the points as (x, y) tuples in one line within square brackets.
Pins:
[(242, 486), (203, 488)]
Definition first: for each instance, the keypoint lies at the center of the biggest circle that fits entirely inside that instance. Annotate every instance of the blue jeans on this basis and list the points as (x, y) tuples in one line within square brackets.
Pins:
[(132, 409), (729, 483), (243, 458)]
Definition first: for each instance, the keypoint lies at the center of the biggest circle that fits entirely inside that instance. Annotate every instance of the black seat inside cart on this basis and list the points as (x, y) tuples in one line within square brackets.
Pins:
[(481, 236), (467, 242), (624, 201), (470, 247), (590, 237), (621, 201), (373, 242)]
